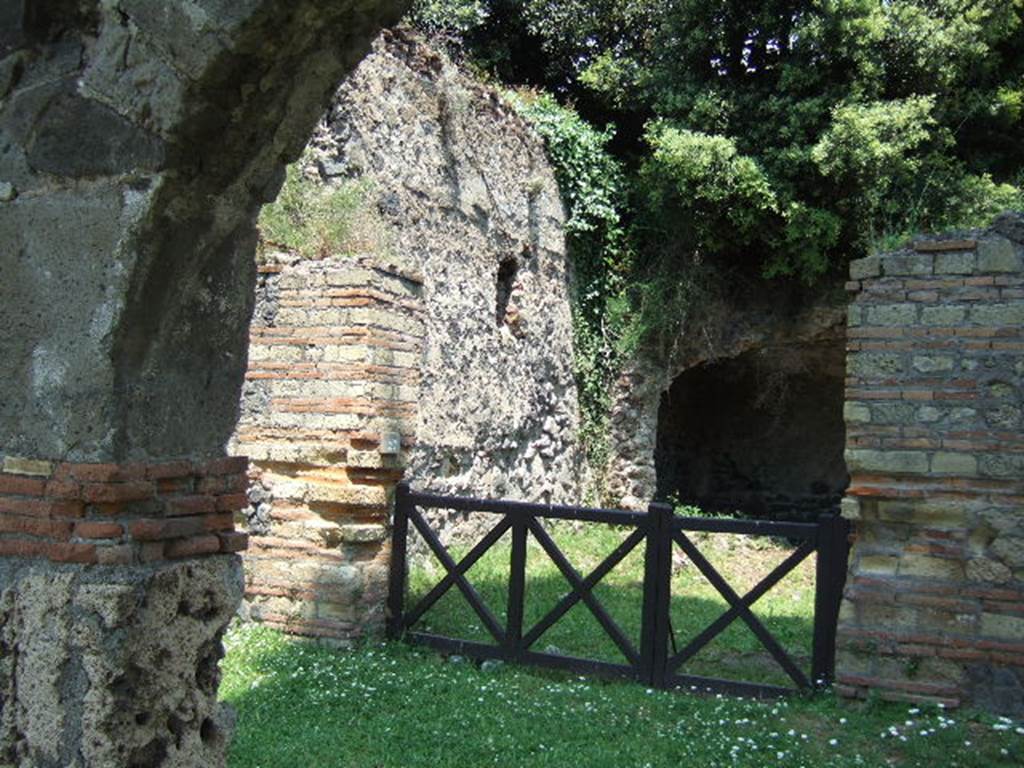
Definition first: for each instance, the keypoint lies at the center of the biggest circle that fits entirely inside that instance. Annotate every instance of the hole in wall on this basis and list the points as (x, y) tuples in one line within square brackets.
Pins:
[(760, 434), (208, 731), (506, 281)]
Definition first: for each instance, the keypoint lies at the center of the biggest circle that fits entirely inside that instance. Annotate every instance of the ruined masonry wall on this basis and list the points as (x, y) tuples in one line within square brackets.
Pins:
[(437, 345), (137, 142), (934, 606)]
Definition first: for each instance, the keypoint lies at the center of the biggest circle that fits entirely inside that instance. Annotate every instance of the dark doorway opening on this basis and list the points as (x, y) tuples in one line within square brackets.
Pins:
[(760, 434)]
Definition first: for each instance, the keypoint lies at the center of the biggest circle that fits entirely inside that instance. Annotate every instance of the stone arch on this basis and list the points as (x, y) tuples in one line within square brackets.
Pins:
[(728, 337), (760, 433), (137, 143)]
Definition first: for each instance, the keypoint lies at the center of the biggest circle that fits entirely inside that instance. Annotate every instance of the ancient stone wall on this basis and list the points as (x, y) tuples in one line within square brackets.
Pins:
[(137, 142), (436, 344), (934, 606)]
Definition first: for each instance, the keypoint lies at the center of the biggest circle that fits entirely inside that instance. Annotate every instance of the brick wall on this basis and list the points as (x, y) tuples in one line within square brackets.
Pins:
[(328, 418), (934, 606), (120, 514)]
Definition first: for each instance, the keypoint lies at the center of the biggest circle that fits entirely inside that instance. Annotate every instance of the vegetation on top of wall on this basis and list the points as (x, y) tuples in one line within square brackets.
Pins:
[(309, 217)]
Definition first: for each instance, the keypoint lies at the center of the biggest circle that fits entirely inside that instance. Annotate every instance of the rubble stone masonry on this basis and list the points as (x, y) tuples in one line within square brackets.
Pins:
[(434, 344), (934, 604)]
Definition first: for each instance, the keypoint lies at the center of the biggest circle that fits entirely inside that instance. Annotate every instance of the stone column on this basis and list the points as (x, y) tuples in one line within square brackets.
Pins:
[(137, 141), (934, 607)]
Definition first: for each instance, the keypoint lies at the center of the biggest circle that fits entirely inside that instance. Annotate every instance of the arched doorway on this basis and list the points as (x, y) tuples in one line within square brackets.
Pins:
[(760, 434), (137, 144)]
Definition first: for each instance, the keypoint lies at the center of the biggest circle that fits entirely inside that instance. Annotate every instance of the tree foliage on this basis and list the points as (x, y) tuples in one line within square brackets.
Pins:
[(814, 128)]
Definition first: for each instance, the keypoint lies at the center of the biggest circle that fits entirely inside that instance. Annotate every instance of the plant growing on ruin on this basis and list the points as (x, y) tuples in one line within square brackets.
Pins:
[(592, 185), (310, 217)]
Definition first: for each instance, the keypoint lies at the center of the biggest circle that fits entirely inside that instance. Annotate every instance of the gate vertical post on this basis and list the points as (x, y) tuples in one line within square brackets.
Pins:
[(657, 595), (830, 576), (396, 574), (516, 589)]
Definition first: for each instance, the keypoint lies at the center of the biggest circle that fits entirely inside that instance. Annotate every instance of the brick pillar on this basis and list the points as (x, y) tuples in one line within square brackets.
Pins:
[(934, 607), (328, 415), (116, 583)]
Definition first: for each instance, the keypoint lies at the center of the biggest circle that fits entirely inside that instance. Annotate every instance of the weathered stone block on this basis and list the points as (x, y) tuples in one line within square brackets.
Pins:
[(871, 365), (927, 567), (954, 263), (1002, 626), (907, 263), (892, 413), (849, 508), (346, 612), (960, 464), (878, 564), (1007, 465), (869, 266), (892, 314), (943, 315), (363, 533), (894, 462), (108, 657), (856, 413), (986, 569), (932, 363), (108, 144), (1004, 416), (925, 513), (998, 254), (1010, 549), (17, 465), (998, 314)]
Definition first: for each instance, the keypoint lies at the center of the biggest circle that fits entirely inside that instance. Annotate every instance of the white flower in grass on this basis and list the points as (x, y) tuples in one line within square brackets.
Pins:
[(833, 742)]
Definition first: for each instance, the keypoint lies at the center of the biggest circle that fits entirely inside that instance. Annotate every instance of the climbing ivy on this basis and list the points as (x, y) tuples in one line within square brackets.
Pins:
[(593, 189)]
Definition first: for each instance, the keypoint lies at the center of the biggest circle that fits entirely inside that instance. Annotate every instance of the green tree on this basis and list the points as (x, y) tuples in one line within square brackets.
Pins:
[(777, 139)]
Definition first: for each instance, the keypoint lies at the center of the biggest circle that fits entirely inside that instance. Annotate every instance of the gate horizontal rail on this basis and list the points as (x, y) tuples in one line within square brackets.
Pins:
[(652, 662)]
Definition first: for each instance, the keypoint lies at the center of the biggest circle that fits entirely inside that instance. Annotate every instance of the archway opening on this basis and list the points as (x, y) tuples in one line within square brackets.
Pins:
[(760, 434)]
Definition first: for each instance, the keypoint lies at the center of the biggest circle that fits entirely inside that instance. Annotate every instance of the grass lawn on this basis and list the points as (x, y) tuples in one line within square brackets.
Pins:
[(386, 704)]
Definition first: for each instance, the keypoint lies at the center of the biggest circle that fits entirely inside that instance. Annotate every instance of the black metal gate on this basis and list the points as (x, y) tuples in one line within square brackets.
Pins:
[(657, 659)]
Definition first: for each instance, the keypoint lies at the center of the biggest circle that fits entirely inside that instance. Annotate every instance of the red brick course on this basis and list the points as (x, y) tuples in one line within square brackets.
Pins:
[(120, 514)]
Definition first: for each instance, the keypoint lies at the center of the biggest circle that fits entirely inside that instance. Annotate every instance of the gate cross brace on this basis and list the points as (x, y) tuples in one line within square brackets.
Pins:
[(740, 606), (585, 587), (472, 596), (580, 587), (718, 626), (467, 562)]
